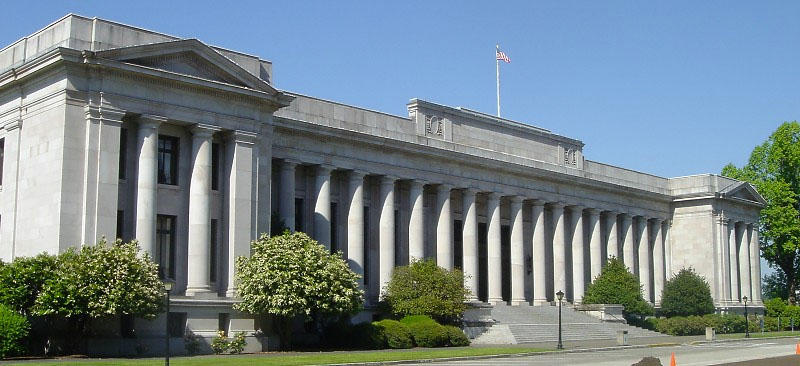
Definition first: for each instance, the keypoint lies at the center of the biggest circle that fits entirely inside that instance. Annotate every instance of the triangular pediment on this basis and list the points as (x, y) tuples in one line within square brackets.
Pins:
[(744, 191), (188, 57)]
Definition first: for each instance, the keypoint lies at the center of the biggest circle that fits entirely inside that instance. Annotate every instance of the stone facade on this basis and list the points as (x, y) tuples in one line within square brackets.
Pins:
[(108, 130)]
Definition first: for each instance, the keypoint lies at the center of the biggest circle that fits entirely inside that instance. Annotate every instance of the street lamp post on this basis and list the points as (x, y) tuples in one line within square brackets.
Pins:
[(167, 288), (560, 295), (746, 325)]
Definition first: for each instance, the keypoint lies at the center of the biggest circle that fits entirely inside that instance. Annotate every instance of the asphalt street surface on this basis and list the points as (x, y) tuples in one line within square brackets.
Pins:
[(768, 352)]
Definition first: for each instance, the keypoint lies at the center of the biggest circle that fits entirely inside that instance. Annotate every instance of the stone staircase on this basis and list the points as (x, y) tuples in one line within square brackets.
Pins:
[(530, 324)]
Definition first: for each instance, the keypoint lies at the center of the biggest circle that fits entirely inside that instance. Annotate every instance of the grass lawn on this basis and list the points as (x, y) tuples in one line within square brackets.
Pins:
[(315, 358), (760, 335)]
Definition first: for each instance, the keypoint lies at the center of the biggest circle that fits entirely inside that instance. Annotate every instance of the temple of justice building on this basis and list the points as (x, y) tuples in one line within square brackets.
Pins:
[(108, 130)]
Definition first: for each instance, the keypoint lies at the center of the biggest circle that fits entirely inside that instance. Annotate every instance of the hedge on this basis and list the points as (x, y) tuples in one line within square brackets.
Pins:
[(696, 325), (396, 334), (13, 330)]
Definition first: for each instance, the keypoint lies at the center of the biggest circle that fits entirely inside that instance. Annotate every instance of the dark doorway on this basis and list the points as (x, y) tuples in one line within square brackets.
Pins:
[(505, 260), (483, 271), (458, 244)]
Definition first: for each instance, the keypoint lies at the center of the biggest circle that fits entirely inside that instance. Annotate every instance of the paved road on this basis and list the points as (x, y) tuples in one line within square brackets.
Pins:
[(705, 354)]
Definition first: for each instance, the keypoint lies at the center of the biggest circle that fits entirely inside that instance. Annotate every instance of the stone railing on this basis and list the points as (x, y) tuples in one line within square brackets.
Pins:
[(604, 312)]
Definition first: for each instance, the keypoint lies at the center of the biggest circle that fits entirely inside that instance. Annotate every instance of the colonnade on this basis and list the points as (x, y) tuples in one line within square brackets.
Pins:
[(741, 267), (638, 240)]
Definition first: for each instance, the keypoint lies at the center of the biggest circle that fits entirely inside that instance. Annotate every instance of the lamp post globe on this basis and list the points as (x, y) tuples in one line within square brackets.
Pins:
[(560, 296)]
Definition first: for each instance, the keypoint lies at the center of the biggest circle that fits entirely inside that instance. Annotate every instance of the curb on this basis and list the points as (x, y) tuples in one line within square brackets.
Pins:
[(728, 340), (507, 355)]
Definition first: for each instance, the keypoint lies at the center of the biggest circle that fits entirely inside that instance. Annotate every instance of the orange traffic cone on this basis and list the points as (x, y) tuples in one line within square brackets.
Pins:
[(797, 349), (672, 359)]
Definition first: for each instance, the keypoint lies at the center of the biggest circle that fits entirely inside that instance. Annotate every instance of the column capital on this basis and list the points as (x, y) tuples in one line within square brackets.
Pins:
[(492, 196), (515, 199), (13, 124), (610, 213), (201, 130), (576, 208), (441, 187), (243, 137), (289, 164), (538, 202), (593, 211), (151, 121), (557, 204), (470, 191), (415, 182), (324, 169), (657, 220), (387, 180), (356, 174), (105, 114)]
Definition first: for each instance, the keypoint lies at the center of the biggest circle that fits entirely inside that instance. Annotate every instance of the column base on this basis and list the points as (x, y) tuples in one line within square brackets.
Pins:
[(200, 292), (541, 302), (497, 302), (519, 302)]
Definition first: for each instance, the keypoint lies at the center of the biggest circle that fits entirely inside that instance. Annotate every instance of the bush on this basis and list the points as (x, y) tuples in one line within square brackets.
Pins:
[(456, 336), (367, 336), (13, 329), (426, 331), (397, 335), (423, 288), (615, 285), (774, 307), (22, 280), (237, 344), (686, 293), (696, 325), (220, 343), (417, 319)]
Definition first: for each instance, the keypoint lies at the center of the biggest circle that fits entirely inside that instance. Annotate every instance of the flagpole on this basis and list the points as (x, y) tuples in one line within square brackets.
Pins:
[(497, 66)]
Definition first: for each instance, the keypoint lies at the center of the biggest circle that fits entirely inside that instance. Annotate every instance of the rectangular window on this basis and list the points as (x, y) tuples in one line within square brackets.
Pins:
[(223, 322), (123, 152), (212, 266), (214, 167), (2, 157), (458, 244), (176, 324), (168, 160), (120, 223), (334, 232), (165, 237), (298, 214)]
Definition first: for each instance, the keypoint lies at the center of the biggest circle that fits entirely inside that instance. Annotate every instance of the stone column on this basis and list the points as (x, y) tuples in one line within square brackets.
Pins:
[(444, 228), (667, 248), (470, 242), (723, 272), (627, 242), (386, 233), (559, 248), (322, 205), (355, 225), (755, 264), (286, 199), (147, 183), (199, 242), (744, 259), (517, 253), (733, 266), (240, 149), (9, 199), (578, 281), (612, 245), (644, 257), (495, 271), (595, 244), (539, 257), (416, 224), (659, 272)]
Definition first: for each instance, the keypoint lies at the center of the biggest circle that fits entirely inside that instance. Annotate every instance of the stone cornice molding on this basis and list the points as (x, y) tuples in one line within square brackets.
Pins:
[(151, 121), (201, 130), (243, 137)]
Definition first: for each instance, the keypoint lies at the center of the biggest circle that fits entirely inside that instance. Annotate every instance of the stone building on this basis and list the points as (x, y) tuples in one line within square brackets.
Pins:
[(108, 130)]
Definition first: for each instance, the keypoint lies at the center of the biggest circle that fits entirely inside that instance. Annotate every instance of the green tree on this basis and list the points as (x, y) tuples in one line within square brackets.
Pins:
[(101, 280), (423, 288), (686, 293), (292, 275), (774, 285), (774, 169), (23, 279), (13, 330), (616, 285)]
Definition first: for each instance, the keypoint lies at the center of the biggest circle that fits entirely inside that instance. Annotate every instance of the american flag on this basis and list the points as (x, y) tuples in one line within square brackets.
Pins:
[(502, 56)]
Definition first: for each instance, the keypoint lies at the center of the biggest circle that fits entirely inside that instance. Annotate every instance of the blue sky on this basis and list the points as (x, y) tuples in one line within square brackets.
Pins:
[(669, 88)]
